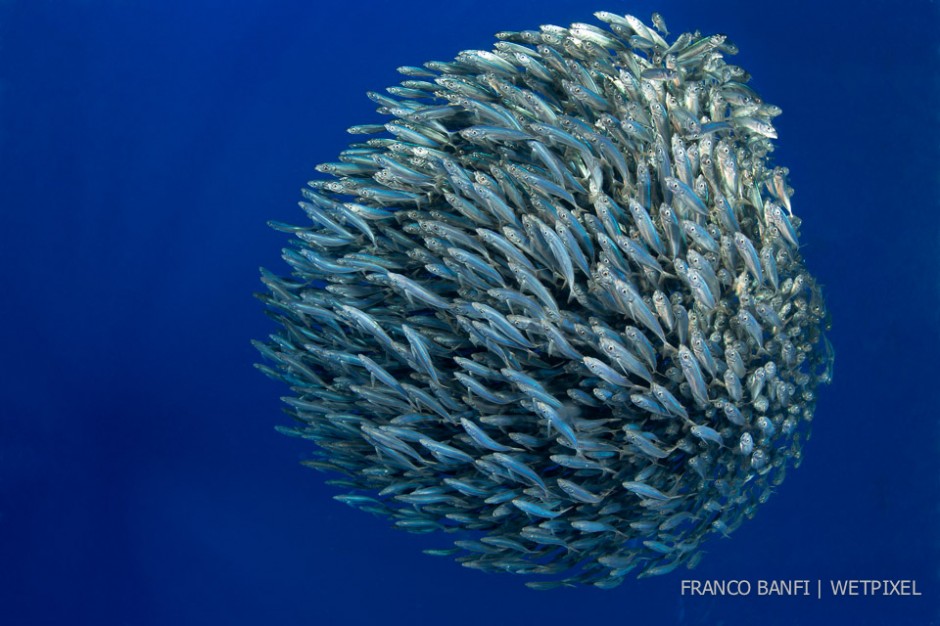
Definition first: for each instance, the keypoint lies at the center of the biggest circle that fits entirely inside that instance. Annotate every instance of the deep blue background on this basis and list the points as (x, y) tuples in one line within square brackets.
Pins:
[(143, 146)]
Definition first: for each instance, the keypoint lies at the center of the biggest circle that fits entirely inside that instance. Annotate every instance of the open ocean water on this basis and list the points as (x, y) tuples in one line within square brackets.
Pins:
[(143, 146)]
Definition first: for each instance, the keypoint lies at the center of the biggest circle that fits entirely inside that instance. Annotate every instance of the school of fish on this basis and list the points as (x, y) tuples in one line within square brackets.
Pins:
[(556, 305)]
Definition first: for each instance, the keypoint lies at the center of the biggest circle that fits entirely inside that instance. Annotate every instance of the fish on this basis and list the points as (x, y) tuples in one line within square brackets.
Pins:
[(700, 290), (494, 134), (706, 433), (413, 289), (693, 376), (445, 452), (700, 236), (747, 251), (782, 223), (555, 303), (646, 447), (751, 326), (519, 469), (660, 24), (668, 401), (645, 491), (421, 352), (481, 438), (733, 385), (554, 418), (604, 371), (380, 373), (686, 196), (778, 187), (578, 493), (746, 444)]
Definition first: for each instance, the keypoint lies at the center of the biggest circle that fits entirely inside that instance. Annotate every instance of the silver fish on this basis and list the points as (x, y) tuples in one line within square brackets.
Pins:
[(530, 303)]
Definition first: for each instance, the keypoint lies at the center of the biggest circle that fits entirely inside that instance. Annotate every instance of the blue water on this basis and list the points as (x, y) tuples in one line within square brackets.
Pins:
[(143, 146)]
